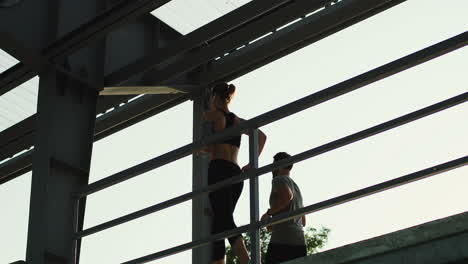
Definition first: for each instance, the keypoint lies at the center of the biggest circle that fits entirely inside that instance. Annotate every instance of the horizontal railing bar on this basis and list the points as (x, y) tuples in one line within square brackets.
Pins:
[(399, 121), (284, 111), (362, 80), (412, 177), (294, 159)]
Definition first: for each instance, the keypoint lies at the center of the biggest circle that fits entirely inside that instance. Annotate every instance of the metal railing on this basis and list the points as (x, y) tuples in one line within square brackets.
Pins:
[(309, 209), (272, 116)]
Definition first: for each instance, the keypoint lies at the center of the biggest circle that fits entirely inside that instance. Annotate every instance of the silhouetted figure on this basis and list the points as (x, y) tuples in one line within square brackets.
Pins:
[(223, 165), (287, 238)]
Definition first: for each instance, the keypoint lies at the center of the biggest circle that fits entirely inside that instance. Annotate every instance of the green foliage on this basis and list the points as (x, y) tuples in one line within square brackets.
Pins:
[(315, 239)]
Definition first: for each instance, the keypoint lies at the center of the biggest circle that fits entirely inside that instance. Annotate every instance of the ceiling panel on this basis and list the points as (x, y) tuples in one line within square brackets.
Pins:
[(18, 103), (6, 61), (187, 15)]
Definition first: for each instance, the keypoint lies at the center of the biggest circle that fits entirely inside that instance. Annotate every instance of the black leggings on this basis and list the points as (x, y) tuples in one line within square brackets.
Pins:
[(223, 202)]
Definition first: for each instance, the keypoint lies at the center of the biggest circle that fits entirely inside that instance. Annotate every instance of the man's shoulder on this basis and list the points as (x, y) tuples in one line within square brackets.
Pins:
[(287, 180), (282, 179)]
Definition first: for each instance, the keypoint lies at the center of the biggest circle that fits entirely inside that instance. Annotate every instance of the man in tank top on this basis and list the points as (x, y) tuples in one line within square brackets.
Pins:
[(287, 238)]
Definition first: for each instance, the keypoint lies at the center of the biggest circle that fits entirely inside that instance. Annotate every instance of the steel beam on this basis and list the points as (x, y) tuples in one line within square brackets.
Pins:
[(118, 15), (215, 74), (143, 37), (38, 30), (9, 3), (17, 137), (267, 49), (106, 125), (294, 37), (134, 112), (16, 76), (415, 176), (33, 35), (16, 167), (146, 34), (224, 44), (34, 61), (227, 67), (97, 28), (61, 162), (65, 123), (196, 39), (13, 47)]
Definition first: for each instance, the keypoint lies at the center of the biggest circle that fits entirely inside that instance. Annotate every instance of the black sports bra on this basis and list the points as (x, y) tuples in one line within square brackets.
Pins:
[(236, 140)]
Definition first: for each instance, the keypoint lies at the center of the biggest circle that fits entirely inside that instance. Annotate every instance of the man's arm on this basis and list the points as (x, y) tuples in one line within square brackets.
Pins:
[(280, 198)]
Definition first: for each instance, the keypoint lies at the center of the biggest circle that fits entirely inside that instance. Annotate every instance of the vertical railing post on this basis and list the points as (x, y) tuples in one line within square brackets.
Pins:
[(254, 206), (201, 221)]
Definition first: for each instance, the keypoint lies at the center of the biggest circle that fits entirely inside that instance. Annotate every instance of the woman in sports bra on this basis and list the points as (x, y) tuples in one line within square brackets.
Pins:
[(223, 165)]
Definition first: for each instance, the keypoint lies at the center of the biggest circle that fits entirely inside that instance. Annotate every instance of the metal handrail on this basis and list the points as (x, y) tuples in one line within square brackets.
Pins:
[(284, 111), (456, 100), (311, 208)]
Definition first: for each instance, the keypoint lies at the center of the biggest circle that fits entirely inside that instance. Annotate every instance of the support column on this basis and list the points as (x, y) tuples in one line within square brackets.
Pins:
[(201, 220), (61, 161)]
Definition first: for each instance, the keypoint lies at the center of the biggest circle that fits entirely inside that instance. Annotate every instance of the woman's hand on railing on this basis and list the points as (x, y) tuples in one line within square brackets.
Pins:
[(246, 168)]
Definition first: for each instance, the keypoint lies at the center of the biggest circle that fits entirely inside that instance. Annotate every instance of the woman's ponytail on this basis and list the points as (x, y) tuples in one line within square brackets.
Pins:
[(224, 90)]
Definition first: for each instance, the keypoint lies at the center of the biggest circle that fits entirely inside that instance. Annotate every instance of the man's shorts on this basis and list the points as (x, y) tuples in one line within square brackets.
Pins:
[(277, 253)]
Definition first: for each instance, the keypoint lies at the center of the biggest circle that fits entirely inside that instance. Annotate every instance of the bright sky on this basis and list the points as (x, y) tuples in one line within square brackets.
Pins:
[(441, 137)]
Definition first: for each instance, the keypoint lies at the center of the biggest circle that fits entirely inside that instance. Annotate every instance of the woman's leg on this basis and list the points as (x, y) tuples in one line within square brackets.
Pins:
[(223, 203), (241, 250), (237, 243), (218, 199)]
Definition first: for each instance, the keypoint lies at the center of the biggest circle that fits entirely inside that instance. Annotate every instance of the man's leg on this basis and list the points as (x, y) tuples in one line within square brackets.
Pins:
[(298, 252), (269, 257)]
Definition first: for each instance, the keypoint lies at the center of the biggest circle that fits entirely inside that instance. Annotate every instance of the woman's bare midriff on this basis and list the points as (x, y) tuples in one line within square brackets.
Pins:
[(225, 152)]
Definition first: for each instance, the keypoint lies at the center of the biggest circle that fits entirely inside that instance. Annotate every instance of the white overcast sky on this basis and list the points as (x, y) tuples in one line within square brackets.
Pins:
[(441, 137)]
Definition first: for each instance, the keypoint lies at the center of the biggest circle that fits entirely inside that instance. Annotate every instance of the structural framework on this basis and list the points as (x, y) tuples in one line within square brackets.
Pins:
[(78, 48)]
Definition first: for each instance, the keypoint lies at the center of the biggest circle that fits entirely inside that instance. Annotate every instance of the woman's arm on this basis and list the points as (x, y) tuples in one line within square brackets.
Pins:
[(261, 141), (261, 138)]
